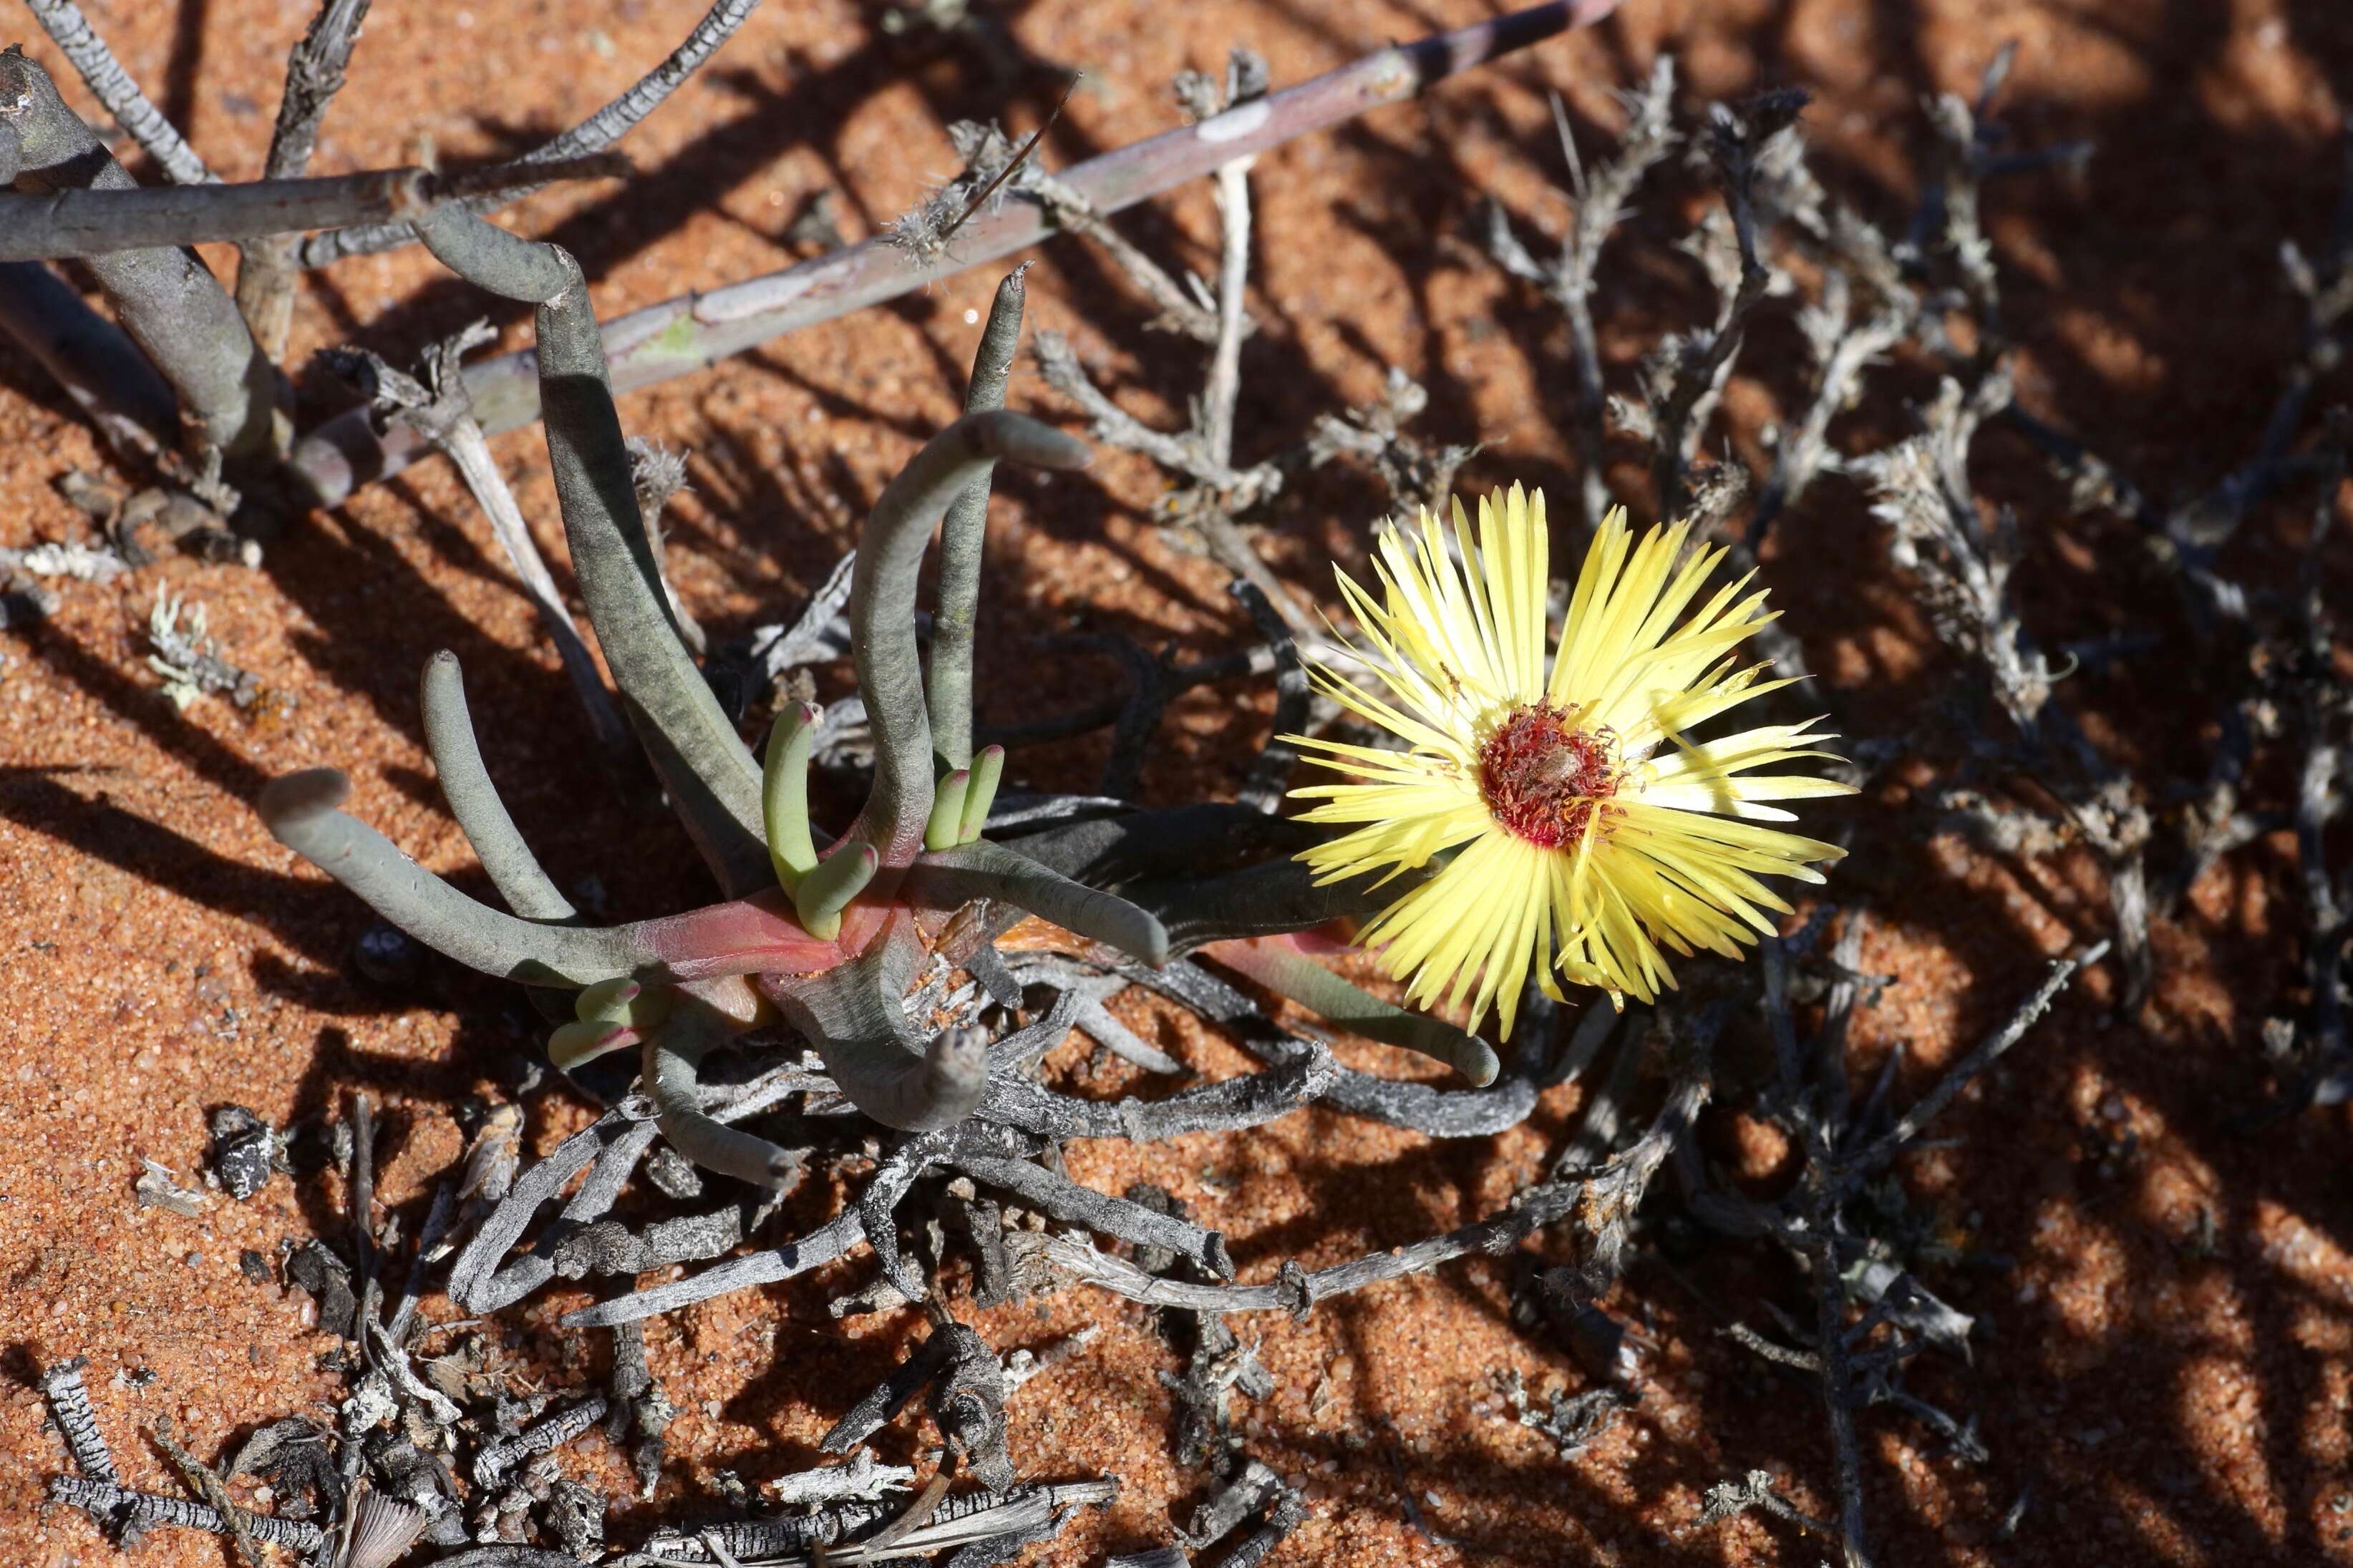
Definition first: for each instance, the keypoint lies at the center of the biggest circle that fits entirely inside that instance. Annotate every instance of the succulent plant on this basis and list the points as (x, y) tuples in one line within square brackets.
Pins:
[(819, 932)]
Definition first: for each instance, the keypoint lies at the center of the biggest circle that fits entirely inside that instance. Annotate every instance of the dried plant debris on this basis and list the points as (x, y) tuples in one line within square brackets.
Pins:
[(315, 1267), (139, 523), (1603, 200), (68, 1401), (379, 1531), (245, 1153), (158, 1188), (80, 563), (1211, 491), (187, 659), (866, 1007), (1573, 1421), (989, 1526), (1249, 1491), (993, 167)]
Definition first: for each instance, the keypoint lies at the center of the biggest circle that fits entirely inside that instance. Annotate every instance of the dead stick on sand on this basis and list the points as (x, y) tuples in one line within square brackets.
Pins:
[(696, 329)]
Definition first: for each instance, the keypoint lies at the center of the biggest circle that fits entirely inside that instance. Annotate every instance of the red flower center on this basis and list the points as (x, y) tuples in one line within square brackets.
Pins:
[(1542, 777)]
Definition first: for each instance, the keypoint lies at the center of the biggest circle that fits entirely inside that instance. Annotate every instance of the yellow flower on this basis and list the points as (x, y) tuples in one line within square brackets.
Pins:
[(1575, 815)]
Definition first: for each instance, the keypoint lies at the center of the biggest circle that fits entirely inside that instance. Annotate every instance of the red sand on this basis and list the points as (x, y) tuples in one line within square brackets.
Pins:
[(2172, 1364)]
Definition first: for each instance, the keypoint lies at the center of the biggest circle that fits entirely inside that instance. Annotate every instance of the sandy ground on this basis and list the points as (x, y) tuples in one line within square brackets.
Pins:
[(2170, 1367)]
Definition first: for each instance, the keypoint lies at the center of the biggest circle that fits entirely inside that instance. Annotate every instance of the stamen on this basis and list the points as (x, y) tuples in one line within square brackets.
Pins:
[(1542, 776)]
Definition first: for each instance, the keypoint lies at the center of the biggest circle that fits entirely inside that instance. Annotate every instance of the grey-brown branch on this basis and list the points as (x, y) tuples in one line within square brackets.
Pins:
[(684, 334)]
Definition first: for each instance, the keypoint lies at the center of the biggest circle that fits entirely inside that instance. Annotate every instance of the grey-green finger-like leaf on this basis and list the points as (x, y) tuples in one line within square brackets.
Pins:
[(584, 1040), (952, 878), (674, 1057), (1266, 899), (709, 773), (882, 607), (607, 1002), (474, 800), (88, 355), (301, 811), (963, 535), (490, 258), (1287, 971), (164, 296), (857, 1016)]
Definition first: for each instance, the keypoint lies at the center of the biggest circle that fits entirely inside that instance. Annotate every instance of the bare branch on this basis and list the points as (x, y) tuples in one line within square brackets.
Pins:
[(112, 86), (1691, 374), (1857, 1163), (1245, 83), (436, 405), (314, 74), (689, 332), (592, 135), (104, 221), (1616, 1186), (164, 297), (92, 359), (1600, 206)]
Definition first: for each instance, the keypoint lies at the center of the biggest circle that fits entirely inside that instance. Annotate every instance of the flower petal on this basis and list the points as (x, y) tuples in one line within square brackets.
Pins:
[(1668, 862)]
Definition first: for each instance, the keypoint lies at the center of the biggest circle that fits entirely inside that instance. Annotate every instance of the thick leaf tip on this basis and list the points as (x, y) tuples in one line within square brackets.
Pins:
[(299, 797)]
